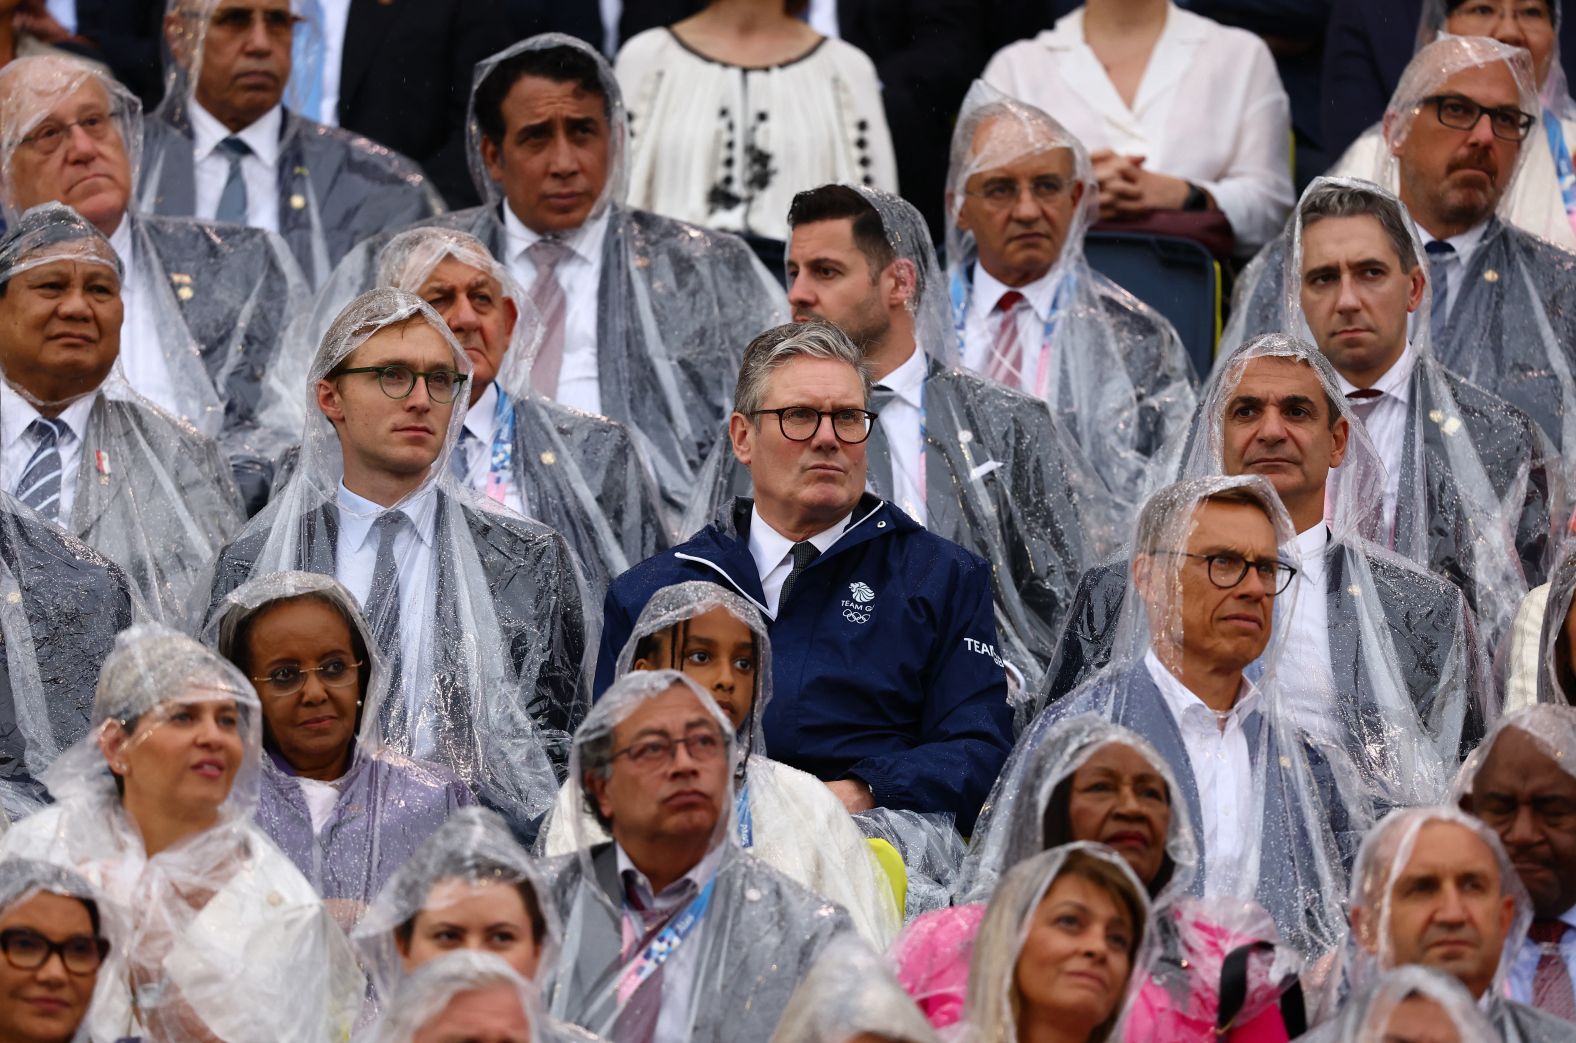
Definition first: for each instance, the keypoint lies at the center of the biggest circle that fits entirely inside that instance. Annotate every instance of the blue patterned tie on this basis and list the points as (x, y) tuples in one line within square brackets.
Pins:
[(1441, 258), (39, 486), (232, 201)]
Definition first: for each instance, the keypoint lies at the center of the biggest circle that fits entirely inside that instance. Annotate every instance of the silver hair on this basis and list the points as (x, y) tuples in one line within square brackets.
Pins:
[(816, 339)]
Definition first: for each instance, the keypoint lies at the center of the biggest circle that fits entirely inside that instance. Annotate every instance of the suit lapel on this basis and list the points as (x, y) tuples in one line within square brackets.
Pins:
[(369, 23), (940, 439)]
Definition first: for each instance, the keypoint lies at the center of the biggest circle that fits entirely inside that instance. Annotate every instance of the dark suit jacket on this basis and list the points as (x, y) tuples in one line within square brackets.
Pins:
[(126, 35), (359, 188), (73, 602), (405, 80), (532, 579)]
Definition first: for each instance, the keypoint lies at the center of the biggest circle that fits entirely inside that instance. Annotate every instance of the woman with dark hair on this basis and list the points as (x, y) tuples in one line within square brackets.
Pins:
[(346, 809), (52, 943)]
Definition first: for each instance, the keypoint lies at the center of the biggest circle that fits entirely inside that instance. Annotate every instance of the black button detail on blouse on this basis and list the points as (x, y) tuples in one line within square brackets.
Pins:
[(861, 143), (862, 126), (761, 116)]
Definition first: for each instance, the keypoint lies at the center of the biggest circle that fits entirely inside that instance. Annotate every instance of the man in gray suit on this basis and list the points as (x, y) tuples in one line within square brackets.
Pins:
[(205, 305), (682, 935), (222, 147), (79, 447)]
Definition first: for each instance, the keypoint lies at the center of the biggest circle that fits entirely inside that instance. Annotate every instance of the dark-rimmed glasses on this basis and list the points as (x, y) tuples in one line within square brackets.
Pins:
[(50, 135), (800, 423), (703, 745), (1458, 113), (398, 382), (1228, 570), (288, 680), (27, 950)]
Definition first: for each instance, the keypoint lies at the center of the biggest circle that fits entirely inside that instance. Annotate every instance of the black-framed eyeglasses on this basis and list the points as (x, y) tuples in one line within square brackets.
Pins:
[(1004, 192), (49, 136), (800, 423), (239, 19), (288, 680), (398, 382), (1228, 570), (1507, 122), (27, 950), (703, 745)]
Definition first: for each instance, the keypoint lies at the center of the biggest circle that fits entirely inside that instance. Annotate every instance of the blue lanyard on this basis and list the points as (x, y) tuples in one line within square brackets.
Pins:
[(498, 474), (1563, 170), (741, 807), (665, 944)]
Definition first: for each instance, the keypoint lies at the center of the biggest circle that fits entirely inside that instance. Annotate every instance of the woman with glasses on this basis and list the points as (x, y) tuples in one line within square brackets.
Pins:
[(221, 937), (51, 947), (345, 808)]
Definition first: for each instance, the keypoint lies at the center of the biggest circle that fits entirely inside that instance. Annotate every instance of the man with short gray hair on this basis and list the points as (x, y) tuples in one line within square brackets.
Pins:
[(922, 724)]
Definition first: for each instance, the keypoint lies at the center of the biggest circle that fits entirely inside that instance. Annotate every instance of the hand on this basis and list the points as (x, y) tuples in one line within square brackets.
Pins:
[(1129, 191), (855, 795)]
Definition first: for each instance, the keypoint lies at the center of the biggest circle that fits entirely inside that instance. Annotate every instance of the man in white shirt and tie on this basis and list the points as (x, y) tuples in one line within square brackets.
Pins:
[(1522, 784)]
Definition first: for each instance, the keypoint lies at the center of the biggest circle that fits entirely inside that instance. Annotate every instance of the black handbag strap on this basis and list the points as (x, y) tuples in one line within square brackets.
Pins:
[(1234, 992)]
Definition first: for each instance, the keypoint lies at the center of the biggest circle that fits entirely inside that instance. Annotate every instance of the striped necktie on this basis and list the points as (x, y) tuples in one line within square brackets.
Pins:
[(1005, 365), (39, 486), (1552, 991), (1441, 261)]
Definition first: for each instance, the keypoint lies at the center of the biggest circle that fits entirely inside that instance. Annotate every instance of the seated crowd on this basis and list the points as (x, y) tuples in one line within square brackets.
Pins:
[(654, 594)]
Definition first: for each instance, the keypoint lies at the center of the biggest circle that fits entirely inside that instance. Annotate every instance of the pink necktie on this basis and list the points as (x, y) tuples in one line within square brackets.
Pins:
[(1551, 984), (1005, 365), (547, 293)]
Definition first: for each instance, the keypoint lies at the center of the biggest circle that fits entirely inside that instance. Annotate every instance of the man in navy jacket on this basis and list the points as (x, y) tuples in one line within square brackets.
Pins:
[(888, 683)]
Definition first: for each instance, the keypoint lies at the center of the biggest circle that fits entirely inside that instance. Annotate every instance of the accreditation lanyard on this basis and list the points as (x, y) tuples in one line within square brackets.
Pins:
[(1564, 172), (502, 455), (665, 944), (960, 291), (741, 808)]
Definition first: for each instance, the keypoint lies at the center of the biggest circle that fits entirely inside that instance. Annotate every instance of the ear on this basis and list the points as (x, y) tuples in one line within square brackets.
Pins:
[(1362, 929), (512, 316), (329, 402), (598, 787), (1338, 438), (904, 278), (1507, 914), (1078, 193), (955, 207), (1414, 290), (112, 744), (1386, 127), (492, 158), (1143, 565), (741, 433), (641, 664)]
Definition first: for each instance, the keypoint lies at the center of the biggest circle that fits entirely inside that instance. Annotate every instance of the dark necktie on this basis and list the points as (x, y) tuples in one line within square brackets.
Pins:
[(1551, 983), (878, 452), (637, 1020), (802, 554), (39, 486), (1441, 262), (460, 458), (383, 600), (1363, 401), (232, 201)]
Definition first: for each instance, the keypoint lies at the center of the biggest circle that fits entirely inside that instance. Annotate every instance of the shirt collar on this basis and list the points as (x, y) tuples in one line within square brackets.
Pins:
[(262, 136), (482, 418), (769, 547), (1465, 243), (1396, 382), (690, 882), (16, 413), (1041, 293), (1311, 546), (357, 513), (1184, 703), (908, 380), (585, 241)]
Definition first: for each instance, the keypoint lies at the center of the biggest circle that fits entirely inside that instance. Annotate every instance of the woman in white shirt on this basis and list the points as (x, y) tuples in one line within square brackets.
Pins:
[(1178, 112), (734, 110)]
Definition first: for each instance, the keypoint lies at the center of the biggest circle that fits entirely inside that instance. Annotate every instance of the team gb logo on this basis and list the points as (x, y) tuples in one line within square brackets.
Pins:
[(861, 592)]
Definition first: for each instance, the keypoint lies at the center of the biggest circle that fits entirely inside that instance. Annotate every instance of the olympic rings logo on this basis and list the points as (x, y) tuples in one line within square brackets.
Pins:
[(856, 617)]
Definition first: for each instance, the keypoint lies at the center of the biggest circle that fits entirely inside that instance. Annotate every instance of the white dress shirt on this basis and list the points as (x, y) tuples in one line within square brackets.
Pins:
[(260, 170), (1464, 244), (1217, 749), (1525, 968), (320, 798), (900, 422), (980, 325), (678, 972), (64, 12), (475, 449), (355, 558), (580, 276), (822, 17), (771, 550), (16, 413), (1307, 684), (336, 22), (142, 351), (1210, 109), (1386, 424)]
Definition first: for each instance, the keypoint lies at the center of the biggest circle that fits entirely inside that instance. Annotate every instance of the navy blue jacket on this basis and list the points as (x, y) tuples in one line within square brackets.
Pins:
[(884, 663)]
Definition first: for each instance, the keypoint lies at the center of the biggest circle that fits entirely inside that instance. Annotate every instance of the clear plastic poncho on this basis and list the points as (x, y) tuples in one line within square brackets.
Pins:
[(491, 642), (61, 605), (1113, 369), (151, 494), (848, 997), (1296, 814), (208, 304), (751, 941), (992, 1009), (1552, 728), (1385, 667), (1554, 680), (387, 804), (1478, 480), (435, 986), (785, 817), (581, 475), (676, 304), (474, 847), (1369, 1017), (223, 936), (335, 188), (1003, 475)]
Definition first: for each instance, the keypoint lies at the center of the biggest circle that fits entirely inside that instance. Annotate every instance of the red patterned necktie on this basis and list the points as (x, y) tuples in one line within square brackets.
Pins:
[(1006, 359), (1552, 992)]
